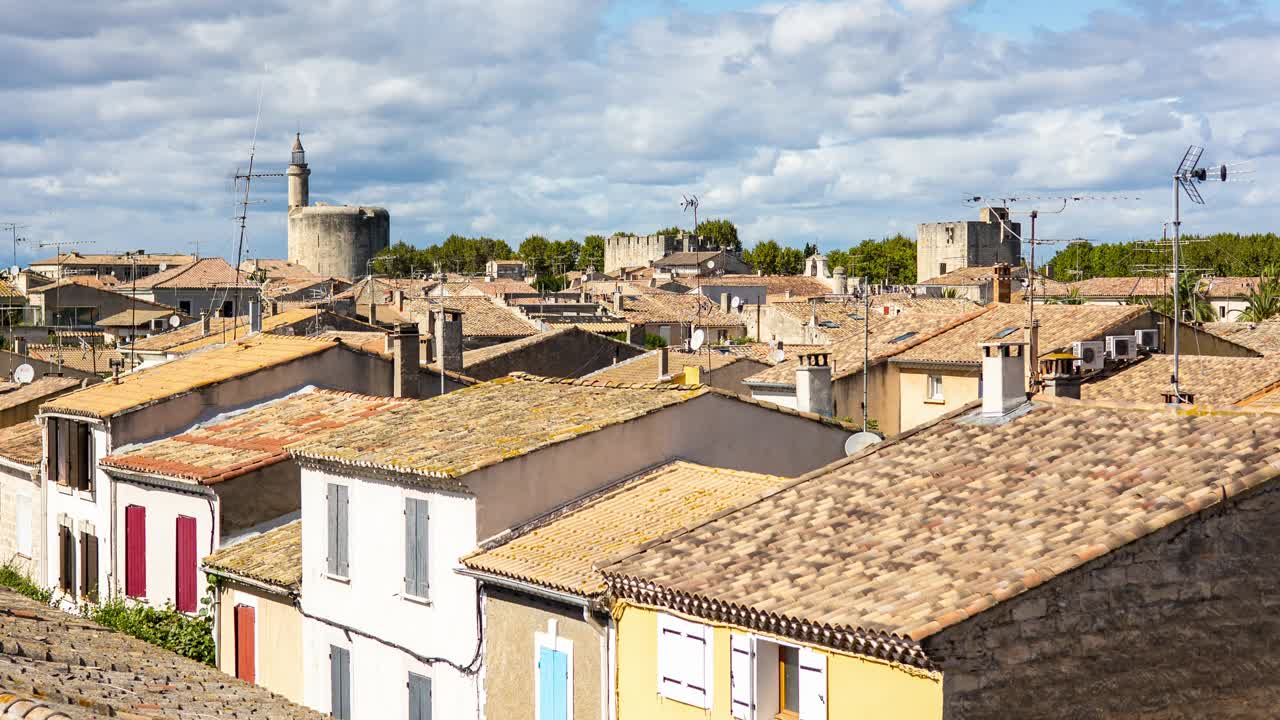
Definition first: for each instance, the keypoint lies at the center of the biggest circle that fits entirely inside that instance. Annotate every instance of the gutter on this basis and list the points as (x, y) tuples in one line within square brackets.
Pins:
[(256, 584), (527, 587)]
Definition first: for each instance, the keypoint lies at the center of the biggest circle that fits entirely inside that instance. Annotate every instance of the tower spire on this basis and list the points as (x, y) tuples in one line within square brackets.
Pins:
[(298, 174)]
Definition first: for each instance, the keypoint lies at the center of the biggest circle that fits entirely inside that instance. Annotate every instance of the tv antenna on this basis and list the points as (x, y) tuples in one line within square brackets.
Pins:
[(13, 228), (1186, 177), (246, 178)]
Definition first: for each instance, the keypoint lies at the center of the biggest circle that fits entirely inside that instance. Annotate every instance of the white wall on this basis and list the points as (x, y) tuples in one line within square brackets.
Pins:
[(372, 599), (163, 508), (92, 507), (15, 480)]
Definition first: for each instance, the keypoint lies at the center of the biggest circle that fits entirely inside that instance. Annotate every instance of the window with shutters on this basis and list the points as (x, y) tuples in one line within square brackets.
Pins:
[(185, 573), (685, 665), (771, 679), (416, 559), (340, 682), (337, 529), (22, 507), (66, 559), (89, 566), (51, 450), (419, 697), (553, 687), (82, 476), (135, 551)]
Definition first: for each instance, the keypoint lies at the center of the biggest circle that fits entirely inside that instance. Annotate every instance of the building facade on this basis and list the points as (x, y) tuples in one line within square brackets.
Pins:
[(946, 246)]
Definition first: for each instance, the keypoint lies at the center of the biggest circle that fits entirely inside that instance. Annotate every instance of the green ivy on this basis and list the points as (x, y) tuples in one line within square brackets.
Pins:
[(188, 635)]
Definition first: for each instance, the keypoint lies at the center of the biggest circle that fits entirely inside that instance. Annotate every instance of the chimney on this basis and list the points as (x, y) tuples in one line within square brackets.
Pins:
[(1003, 377), (427, 350), (20, 345), (692, 375), (841, 281), (724, 302), (404, 360), (274, 307), (255, 316), (204, 323), (813, 384), (1059, 376), (448, 334), (582, 295), (1001, 282), (664, 363), (788, 294), (617, 302), (1031, 336), (653, 281), (397, 299), (389, 345)]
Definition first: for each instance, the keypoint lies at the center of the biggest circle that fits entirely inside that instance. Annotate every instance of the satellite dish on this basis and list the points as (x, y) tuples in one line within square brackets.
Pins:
[(736, 302), (24, 374), (778, 355), (711, 264), (698, 338), (174, 321), (860, 440)]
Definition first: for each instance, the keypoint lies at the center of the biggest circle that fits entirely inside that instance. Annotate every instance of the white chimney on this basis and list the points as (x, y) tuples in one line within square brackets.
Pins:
[(617, 302), (813, 384), (255, 317), (1003, 377), (204, 323), (663, 363)]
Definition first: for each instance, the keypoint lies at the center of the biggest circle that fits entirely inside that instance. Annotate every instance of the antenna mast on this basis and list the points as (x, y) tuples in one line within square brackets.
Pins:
[(14, 228), (247, 177)]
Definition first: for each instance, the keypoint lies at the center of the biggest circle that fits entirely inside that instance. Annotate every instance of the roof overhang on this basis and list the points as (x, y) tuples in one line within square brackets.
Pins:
[(527, 587)]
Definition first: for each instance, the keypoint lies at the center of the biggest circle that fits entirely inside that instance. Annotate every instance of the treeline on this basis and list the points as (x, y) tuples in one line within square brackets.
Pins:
[(1224, 254)]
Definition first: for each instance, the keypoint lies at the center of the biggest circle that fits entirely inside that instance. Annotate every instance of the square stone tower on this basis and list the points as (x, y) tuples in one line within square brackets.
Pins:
[(945, 246)]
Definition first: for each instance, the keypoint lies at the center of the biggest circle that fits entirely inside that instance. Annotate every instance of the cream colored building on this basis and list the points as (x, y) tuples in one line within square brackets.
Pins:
[(257, 627)]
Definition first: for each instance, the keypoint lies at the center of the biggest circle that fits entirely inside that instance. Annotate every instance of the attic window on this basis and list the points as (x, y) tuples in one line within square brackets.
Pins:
[(903, 336), (1006, 332), (828, 324), (855, 316)]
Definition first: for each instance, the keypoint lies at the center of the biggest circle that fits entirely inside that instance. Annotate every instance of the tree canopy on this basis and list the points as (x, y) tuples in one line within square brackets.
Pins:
[(1224, 254), (457, 254), (891, 260)]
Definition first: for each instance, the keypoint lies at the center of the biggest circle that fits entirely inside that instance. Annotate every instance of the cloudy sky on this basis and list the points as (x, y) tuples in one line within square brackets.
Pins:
[(121, 123)]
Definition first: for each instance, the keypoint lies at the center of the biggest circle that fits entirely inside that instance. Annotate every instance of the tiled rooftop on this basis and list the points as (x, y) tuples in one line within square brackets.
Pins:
[(889, 336), (1060, 325), (1228, 287), (558, 550), (75, 258), (44, 387), (22, 443), (203, 273), (920, 532), (672, 308), (496, 287), (602, 288), (93, 359), (85, 671), (273, 557), (239, 443), (269, 324), (644, 368), (475, 427), (141, 317), (838, 319), (801, 286), (1262, 337), (972, 275), (277, 269), (481, 317), (186, 374), (1211, 380), (1112, 287), (7, 290)]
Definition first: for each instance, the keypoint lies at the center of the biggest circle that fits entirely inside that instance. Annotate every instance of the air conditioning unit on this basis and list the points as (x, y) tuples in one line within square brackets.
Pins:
[(1122, 347), (1149, 339), (1090, 354)]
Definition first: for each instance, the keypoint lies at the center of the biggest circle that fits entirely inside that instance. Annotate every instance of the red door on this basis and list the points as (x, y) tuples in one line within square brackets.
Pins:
[(185, 592), (244, 643), (135, 551)]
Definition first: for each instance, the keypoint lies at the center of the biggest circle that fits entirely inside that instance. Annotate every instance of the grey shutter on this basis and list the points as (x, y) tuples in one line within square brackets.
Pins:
[(420, 545), (331, 500), (340, 683), (337, 529), (410, 548), (343, 531), (419, 697), (64, 453)]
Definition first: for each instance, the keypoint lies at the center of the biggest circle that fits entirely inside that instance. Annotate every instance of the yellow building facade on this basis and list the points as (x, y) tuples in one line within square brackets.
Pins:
[(851, 686)]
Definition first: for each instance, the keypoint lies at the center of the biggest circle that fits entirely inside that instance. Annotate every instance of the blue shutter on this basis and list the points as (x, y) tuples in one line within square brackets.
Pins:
[(561, 686), (553, 685), (419, 697)]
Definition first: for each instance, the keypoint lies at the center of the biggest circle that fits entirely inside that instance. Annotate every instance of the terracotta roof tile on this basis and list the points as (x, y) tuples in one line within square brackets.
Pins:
[(143, 316), (75, 258), (269, 325), (143, 387), (644, 368), (93, 359), (1212, 380), (1112, 287), (277, 269), (839, 319), (48, 386), (972, 275), (1262, 337), (161, 342), (672, 308), (23, 443), (273, 557), (481, 317), (203, 273), (238, 443), (801, 286), (1060, 325), (1228, 287), (877, 551), (560, 549)]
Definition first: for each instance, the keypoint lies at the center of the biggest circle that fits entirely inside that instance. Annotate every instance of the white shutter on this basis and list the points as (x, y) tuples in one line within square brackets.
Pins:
[(813, 685), (697, 677), (742, 662), (670, 645), (684, 661)]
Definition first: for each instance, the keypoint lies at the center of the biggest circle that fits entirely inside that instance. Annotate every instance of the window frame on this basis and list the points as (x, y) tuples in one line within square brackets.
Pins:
[(338, 531), (551, 640), (421, 567), (933, 391)]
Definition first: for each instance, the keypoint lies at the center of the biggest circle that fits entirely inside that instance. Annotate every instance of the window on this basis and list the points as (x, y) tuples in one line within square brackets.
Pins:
[(684, 661), (228, 309), (88, 565), (416, 567), (942, 267), (935, 388), (1222, 311), (184, 594), (71, 453), (337, 530), (773, 680), (904, 336), (1006, 332), (553, 690), (66, 559), (22, 508), (184, 307), (419, 697), (246, 652), (135, 551), (339, 682)]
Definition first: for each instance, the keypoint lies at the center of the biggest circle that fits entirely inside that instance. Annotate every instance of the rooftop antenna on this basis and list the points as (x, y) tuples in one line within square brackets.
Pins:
[(687, 203), (247, 177), (1186, 177), (57, 246), (13, 228)]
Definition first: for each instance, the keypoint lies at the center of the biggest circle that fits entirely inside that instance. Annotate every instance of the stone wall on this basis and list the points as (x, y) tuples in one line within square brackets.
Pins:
[(337, 240), (946, 246), (1181, 624)]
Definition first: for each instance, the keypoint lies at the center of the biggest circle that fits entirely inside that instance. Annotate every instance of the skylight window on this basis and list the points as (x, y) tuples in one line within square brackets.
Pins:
[(903, 336), (1006, 332), (828, 324)]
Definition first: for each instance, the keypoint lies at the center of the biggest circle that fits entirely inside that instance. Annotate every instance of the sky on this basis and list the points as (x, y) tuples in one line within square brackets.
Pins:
[(122, 124)]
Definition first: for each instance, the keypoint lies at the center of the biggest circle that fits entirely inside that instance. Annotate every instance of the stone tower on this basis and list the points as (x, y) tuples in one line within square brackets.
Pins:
[(331, 240), (299, 192), (946, 246)]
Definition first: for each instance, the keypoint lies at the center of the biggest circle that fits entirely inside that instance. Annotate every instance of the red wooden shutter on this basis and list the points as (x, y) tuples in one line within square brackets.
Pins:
[(244, 643), (135, 551), (185, 593)]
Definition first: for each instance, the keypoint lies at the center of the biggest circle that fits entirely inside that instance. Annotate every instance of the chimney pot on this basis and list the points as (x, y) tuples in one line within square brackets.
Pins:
[(404, 360), (664, 361), (724, 302), (813, 384), (617, 302), (204, 322), (20, 345), (448, 335), (255, 316), (1001, 280), (1003, 377)]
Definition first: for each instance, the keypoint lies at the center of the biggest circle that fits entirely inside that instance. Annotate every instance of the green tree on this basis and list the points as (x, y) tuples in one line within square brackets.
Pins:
[(396, 261), (457, 254), (1191, 304), (890, 260), (722, 233), (592, 255), (765, 257)]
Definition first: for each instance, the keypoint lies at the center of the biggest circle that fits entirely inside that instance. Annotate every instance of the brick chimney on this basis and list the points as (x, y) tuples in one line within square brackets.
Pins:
[(1001, 283), (448, 335), (204, 323), (1003, 377), (404, 359), (664, 363), (397, 299), (813, 384)]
